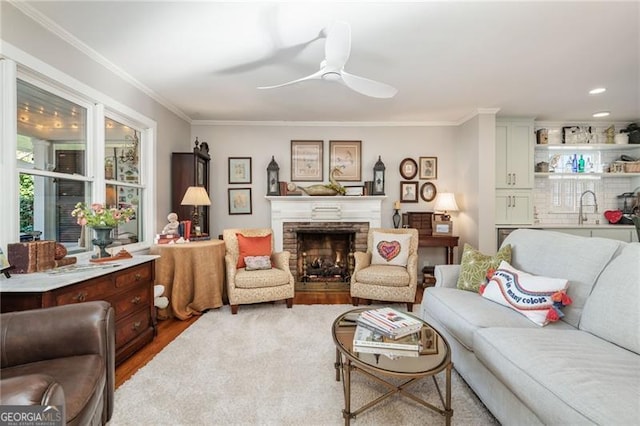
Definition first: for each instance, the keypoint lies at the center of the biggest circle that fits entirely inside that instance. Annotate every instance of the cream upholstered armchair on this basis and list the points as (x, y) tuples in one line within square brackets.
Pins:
[(256, 282), (382, 272)]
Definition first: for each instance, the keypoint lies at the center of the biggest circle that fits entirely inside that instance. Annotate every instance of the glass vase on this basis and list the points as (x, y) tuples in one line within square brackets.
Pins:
[(102, 240)]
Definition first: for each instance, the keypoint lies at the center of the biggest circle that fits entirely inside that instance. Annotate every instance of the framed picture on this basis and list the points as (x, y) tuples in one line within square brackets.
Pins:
[(346, 156), (409, 192), (428, 191), (354, 190), (306, 161), (441, 226), (239, 169), (408, 168), (239, 200), (428, 167)]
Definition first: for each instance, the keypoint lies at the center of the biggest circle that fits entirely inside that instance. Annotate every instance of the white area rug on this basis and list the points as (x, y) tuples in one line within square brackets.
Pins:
[(268, 365)]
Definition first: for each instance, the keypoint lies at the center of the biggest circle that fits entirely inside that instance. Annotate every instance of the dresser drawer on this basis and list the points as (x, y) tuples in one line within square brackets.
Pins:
[(129, 328), (98, 289), (135, 275), (130, 301)]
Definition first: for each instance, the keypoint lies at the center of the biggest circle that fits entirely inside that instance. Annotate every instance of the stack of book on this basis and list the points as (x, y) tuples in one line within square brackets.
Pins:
[(389, 332)]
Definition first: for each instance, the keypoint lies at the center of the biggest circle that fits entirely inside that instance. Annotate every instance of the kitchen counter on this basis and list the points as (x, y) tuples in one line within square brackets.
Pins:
[(590, 225), (626, 233)]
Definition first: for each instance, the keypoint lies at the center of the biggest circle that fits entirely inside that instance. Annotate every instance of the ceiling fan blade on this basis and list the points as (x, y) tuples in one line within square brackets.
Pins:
[(315, 76), (337, 48), (367, 87)]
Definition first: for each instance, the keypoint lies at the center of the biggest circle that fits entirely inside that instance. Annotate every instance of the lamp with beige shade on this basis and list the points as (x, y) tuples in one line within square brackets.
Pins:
[(196, 196)]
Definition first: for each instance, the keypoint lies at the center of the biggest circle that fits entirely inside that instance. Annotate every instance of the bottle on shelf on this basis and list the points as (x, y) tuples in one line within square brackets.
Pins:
[(574, 163), (581, 164)]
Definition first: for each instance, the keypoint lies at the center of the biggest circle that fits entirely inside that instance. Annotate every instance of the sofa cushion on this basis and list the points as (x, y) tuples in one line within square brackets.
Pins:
[(390, 249), (612, 310), (261, 278), (388, 276), (475, 265), (564, 376), (531, 295), (82, 378), (464, 312), (555, 254)]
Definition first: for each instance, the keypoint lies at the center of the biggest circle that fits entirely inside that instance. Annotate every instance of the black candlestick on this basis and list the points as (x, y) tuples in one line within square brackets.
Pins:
[(396, 219)]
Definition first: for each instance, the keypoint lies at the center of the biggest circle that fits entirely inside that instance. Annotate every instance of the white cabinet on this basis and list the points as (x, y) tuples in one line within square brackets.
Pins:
[(514, 154), (514, 207)]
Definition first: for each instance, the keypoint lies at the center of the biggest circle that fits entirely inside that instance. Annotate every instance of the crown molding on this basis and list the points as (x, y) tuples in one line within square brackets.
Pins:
[(324, 123), (69, 38)]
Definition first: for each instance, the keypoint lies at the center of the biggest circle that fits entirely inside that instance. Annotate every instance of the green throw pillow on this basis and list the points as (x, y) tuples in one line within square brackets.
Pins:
[(475, 265)]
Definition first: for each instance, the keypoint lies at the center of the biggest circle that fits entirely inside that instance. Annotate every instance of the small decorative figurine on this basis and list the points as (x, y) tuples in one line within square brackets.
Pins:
[(171, 227)]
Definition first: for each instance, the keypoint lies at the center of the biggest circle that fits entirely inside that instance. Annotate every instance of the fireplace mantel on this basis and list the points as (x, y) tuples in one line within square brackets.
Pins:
[(323, 209)]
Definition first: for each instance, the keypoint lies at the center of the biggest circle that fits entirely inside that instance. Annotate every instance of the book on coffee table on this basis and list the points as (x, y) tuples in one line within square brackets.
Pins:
[(366, 337), (390, 352), (390, 322)]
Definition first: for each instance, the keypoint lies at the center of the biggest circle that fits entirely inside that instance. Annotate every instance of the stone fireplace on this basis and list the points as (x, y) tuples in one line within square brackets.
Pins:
[(323, 232)]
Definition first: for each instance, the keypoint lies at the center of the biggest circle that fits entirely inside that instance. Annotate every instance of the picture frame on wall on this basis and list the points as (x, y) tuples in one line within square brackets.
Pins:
[(408, 168), (239, 200), (306, 161), (428, 191), (428, 167), (347, 157), (239, 170), (409, 192)]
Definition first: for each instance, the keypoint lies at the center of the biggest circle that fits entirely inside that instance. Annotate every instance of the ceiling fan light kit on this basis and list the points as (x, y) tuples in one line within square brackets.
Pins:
[(337, 49)]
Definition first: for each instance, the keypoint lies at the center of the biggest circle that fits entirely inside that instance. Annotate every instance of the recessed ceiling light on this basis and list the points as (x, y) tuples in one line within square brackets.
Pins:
[(597, 91), (601, 114)]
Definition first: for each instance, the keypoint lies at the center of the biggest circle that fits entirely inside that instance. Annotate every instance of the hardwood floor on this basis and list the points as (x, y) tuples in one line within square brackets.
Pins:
[(171, 328)]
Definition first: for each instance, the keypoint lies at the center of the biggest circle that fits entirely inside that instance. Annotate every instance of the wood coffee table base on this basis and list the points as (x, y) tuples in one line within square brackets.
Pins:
[(344, 367)]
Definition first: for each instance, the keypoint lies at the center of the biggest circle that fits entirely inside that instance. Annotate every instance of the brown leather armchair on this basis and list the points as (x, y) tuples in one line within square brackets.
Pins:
[(63, 355)]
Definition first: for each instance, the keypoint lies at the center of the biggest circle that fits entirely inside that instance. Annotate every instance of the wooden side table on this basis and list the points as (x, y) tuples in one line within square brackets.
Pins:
[(192, 274), (447, 241)]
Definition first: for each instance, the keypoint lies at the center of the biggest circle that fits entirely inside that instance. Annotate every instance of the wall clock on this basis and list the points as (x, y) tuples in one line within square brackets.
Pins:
[(408, 168), (428, 191)]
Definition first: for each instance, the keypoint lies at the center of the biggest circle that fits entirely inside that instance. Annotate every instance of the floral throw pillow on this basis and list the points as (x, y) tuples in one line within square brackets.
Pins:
[(475, 266), (256, 263), (536, 297)]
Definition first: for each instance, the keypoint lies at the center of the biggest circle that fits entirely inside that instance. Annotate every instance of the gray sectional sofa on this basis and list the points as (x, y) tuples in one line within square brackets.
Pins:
[(583, 369)]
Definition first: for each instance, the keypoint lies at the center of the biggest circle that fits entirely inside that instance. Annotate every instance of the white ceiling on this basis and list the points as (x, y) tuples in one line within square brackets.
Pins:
[(447, 59)]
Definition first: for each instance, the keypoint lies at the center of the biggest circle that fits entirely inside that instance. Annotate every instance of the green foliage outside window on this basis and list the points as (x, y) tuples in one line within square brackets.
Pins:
[(26, 203)]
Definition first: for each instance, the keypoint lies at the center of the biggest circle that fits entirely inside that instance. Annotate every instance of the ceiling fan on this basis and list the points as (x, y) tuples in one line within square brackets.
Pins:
[(336, 50)]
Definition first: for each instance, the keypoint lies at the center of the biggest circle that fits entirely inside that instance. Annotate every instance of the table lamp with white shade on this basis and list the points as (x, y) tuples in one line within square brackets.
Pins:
[(196, 196), (446, 202)]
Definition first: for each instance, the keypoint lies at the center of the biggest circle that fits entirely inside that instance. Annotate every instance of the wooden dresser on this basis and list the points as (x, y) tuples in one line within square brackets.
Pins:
[(127, 285)]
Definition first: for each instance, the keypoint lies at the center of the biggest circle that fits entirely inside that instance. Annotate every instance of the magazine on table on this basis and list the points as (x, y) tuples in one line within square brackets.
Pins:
[(366, 337)]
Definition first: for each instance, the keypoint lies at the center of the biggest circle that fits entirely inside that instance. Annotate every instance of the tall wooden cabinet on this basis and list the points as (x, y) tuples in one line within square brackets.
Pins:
[(190, 169)]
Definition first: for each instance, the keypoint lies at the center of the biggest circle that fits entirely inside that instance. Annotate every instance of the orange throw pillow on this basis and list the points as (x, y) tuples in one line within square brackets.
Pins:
[(253, 246)]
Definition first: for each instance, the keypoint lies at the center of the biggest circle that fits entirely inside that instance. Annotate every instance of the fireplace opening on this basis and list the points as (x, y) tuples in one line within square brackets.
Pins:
[(326, 248), (325, 257)]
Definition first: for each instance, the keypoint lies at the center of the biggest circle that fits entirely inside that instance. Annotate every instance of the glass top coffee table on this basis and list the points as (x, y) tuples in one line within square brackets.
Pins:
[(378, 367)]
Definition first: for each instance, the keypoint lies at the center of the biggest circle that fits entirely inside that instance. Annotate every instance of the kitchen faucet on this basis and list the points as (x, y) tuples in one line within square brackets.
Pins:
[(581, 216)]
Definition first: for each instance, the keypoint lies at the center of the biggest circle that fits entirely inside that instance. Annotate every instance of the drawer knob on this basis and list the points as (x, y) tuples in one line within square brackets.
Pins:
[(136, 325), (138, 276), (80, 297), (136, 300)]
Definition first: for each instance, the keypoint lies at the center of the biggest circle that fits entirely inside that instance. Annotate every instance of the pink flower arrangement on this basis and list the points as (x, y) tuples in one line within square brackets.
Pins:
[(99, 215)]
